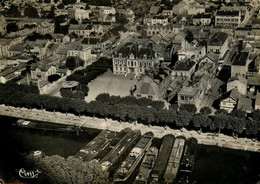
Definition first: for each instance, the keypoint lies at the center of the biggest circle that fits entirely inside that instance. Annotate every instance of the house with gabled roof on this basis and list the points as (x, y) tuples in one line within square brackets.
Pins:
[(230, 99), (147, 87), (239, 83), (153, 85), (184, 69), (218, 44), (43, 69)]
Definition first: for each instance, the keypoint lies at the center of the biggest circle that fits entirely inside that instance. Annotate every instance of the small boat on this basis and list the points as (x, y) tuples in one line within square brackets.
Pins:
[(147, 166)]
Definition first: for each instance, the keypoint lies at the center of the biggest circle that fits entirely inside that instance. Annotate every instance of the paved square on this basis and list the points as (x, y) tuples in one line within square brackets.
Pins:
[(117, 85)]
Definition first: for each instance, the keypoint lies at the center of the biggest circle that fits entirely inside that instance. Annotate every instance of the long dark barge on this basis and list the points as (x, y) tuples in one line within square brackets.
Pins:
[(187, 161), (133, 158), (146, 166), (115, 157), (102, 155), (99, 143), (37, 125), (174, 160), (162, 159)]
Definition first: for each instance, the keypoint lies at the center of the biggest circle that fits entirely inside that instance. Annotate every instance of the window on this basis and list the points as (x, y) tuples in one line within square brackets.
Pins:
[(182, 97), (150, 96)]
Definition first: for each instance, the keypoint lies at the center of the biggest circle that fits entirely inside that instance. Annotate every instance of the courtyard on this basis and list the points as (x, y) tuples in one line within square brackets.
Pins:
[(117, 85)]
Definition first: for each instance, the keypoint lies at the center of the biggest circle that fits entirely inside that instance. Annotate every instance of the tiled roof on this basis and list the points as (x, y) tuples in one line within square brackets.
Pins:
[(245, 104), (218, 39), (228, 13), (184, 65), (241, 59), (234, 94)]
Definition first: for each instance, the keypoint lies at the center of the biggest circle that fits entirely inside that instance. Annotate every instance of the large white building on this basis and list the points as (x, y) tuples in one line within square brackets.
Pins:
[(228, 18), (134, 58)]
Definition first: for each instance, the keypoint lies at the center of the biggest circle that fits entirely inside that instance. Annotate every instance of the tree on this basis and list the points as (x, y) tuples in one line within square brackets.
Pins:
[(183, 118), (11, 27), (197, 121), (79, 106), (31, 12), (57, 169), (73, 62), (79, 95), (205, 110), (103, 97), (251, 128), (218, 122), (191, 108), (221, 111), (73, 21), (64, 104), (13, 11), (238, 113), (53, 78), (236, 125), (84, 88), (256, 115), (66, 93)]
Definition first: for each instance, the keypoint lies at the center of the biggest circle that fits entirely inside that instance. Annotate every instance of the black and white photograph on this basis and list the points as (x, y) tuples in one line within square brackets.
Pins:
[(130, 92)]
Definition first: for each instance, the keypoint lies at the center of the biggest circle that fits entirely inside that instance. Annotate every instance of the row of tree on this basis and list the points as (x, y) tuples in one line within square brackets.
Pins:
[(184, 116), (92, 71), (129, 100)]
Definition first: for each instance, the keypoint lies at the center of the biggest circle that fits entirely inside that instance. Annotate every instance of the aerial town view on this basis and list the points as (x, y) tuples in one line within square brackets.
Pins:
[(130, 92)]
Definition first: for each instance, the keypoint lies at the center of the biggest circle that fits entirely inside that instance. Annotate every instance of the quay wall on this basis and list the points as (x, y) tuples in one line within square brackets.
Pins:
[(102, 124)]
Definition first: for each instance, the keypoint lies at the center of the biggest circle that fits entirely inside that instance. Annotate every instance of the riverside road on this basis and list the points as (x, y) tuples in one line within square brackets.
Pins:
[(97, 123)]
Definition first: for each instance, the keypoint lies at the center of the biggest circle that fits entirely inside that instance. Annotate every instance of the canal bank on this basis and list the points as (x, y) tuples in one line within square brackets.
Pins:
[(213, 165), (102, 124)]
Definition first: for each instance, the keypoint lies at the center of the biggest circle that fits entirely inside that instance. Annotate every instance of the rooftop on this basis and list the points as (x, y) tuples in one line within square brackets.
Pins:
[(188, 91), (228, 13), (241, 59), (184, 65)]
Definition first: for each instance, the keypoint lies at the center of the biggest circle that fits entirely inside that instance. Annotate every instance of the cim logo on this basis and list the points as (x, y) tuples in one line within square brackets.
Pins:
[(28, 174)]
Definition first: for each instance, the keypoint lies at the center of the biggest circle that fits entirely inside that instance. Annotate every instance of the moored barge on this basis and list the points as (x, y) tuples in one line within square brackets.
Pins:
[(174, 160), (99, 143), (188, 161), (147, 166), (162, 159), (133, 158)]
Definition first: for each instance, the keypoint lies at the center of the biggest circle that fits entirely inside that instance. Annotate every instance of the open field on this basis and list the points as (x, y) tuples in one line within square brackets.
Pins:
[(117, 85)]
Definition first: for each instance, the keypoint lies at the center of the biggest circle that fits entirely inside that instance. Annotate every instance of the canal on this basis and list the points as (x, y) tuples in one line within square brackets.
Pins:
[(213, 165)]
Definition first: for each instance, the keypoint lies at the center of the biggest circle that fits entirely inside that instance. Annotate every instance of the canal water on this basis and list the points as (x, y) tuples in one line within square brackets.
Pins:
[(213, 165)]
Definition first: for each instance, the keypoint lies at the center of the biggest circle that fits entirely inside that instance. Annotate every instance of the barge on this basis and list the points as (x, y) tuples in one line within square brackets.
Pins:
[(115, 157), (133, 158), (162, 159), (174, 160), (37, 125), (147, 166), (188, 161), (99, 143)]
